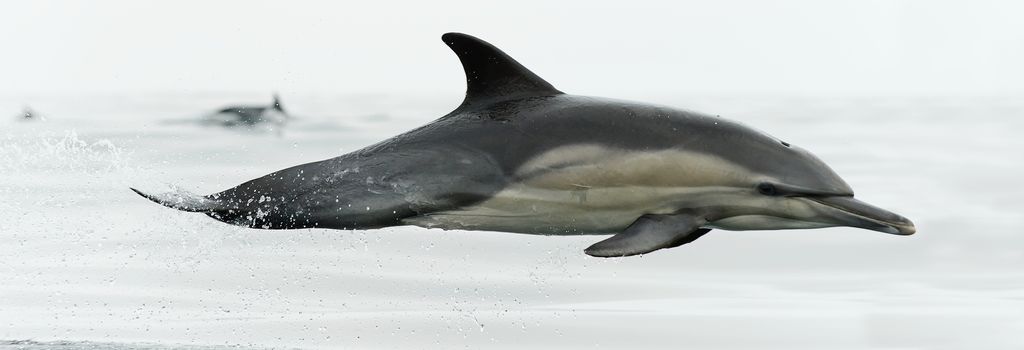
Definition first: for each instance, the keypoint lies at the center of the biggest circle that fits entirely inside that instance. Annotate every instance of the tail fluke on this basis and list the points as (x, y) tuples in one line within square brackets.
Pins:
[(186, 201)]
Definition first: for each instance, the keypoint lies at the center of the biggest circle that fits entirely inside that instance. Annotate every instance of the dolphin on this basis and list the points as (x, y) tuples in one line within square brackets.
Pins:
[(249, 115), (520, 156), (28, 114)]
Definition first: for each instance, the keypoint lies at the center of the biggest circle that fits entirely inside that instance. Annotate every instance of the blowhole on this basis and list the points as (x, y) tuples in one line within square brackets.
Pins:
[(784, 143)]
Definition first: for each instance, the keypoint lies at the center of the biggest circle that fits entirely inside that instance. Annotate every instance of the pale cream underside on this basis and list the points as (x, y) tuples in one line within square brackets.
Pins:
[(589, 189)]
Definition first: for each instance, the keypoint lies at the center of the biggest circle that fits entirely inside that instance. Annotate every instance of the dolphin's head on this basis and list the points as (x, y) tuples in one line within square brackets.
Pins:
[(789, 187)]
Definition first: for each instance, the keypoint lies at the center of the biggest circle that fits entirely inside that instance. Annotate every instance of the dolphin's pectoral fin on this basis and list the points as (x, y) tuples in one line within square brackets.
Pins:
[(698, 233), (649, 233)]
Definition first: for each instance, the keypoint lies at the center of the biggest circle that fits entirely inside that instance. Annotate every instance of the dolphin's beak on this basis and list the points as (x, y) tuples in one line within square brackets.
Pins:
[(852, 212)]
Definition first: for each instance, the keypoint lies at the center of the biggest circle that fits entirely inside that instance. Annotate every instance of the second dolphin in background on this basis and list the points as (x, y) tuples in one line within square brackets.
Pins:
[(272, 115)]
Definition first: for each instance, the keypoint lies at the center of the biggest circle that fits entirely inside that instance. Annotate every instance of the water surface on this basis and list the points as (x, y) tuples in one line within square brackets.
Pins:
[(88, 264)]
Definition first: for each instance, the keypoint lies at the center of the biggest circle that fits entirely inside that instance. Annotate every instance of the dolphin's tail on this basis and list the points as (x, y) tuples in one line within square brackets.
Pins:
[(186, 201)]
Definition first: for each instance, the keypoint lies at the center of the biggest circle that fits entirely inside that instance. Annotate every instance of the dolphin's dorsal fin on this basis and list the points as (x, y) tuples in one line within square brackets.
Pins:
[(277, 103), (491, 75)]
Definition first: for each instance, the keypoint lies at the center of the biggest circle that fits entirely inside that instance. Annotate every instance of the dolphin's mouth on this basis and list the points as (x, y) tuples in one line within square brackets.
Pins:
[(859, 214)]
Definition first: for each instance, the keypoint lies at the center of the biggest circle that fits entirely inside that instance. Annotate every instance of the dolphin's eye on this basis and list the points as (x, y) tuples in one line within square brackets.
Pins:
[(766, 189)]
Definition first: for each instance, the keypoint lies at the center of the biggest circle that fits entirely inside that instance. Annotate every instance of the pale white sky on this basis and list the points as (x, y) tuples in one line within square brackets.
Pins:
[(586, 47)]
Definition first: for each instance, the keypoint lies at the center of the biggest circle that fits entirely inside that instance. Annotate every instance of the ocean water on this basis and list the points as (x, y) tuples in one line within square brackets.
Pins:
[(87, 264)]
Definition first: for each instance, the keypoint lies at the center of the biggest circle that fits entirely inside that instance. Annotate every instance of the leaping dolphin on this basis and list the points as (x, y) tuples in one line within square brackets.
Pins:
[(520, 156)]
